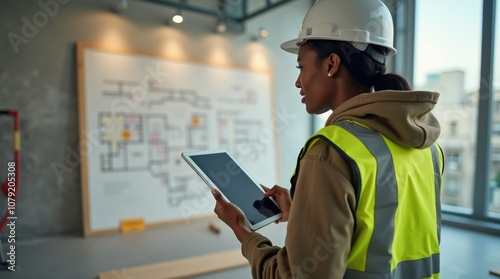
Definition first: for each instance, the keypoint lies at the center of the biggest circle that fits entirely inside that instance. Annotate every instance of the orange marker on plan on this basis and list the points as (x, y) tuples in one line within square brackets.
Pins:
[(126, 134), (195, 121)]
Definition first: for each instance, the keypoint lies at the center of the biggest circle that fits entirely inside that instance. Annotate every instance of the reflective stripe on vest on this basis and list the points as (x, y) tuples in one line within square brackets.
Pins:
[(377, 250)]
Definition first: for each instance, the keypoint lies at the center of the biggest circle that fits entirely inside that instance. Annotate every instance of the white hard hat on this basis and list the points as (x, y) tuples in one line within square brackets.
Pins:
[(359, 22)]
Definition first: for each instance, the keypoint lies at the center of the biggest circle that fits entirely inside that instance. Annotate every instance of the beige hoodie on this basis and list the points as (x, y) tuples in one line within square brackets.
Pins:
[(322, 215)]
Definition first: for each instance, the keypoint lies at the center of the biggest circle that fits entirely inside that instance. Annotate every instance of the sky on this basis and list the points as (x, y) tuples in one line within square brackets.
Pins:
[(448, 37)]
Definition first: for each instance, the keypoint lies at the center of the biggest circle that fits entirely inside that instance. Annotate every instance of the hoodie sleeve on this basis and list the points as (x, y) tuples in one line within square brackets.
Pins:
[(320, 226)]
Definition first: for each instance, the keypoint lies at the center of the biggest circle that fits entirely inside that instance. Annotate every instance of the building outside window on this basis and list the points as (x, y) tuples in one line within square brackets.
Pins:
[(453, 128), (440, 65), (494, 187)]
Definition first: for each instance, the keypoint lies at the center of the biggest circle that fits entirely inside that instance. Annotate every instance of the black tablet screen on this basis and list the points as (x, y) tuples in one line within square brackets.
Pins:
[(235, 184)]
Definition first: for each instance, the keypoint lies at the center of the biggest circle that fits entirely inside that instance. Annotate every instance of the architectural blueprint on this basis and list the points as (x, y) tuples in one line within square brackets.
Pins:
[(145, 111)]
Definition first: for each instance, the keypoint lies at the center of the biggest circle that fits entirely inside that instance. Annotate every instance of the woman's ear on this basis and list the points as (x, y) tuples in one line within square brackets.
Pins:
[(333, 64)]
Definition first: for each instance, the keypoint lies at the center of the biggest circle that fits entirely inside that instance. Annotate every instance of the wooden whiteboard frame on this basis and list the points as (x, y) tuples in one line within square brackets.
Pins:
[(82, 111)]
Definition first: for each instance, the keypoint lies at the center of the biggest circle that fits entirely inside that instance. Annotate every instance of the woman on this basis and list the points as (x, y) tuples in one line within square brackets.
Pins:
[(366, 187)]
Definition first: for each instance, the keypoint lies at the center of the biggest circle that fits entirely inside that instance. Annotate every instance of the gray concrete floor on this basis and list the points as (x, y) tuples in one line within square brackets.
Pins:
[(465, 254)]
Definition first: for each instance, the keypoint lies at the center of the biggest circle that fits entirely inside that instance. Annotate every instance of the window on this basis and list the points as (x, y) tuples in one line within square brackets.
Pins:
[(493, 191), (496, 108), (452, 161), (452, 191), (451, 67), (453, 128), (495, 129)]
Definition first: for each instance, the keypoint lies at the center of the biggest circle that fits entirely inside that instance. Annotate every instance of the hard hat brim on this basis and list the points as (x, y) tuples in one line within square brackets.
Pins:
[(293, 46)]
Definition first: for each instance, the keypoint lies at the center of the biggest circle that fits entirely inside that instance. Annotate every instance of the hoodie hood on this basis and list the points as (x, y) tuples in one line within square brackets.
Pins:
[(403, 116)]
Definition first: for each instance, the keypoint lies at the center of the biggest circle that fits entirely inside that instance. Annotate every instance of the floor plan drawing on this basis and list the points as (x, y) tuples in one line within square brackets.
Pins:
[(147, 115)]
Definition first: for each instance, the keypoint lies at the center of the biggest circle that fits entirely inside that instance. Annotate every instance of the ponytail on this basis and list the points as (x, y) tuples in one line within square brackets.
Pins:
[(363, 68), (390, 82)]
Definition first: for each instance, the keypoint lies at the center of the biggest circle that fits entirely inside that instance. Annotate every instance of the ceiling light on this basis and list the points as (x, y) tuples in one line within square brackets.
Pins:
[(177, 18), (263, 33), (221, 27)]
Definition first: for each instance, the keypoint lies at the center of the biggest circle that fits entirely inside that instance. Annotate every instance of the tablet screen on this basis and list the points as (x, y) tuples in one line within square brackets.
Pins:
[(236, 185)]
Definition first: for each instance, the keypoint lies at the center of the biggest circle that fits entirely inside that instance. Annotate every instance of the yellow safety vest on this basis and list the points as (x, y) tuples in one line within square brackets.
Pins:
[(398, 213)]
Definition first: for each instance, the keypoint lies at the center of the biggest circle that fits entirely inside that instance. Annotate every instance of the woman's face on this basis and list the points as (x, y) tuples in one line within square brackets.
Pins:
[(313, 81)]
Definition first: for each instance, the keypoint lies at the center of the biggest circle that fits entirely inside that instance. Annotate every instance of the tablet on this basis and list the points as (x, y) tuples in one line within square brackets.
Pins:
[(221, 171)]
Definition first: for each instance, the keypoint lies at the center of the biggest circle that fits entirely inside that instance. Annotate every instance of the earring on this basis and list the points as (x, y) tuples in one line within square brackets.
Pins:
[(329, 74)]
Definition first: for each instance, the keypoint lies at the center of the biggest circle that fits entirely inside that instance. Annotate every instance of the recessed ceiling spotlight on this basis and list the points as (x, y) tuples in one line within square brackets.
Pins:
[(177, 18), (221, 26), (263, 33)]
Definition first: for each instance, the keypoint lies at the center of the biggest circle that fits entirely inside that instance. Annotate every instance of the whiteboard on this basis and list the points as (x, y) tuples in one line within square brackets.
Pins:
[(138, 111)]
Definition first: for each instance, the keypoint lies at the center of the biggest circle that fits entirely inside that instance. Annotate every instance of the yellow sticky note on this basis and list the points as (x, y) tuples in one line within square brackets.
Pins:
[(17, 141), (129, 225)]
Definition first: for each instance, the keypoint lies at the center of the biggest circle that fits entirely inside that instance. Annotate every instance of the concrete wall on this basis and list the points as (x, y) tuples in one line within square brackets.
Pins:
[(38, 77)]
